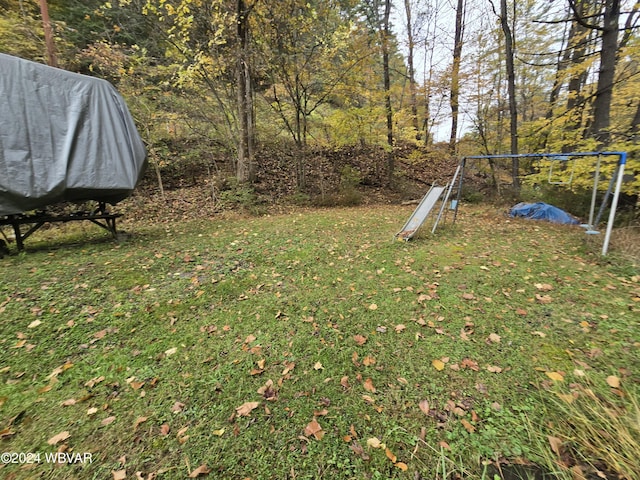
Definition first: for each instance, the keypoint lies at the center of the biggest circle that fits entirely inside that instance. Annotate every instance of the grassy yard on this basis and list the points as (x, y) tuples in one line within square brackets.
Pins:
[(314, 345)]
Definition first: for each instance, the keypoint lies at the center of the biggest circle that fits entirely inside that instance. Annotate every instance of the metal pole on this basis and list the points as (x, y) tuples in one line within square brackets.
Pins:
[(614, 203), (594, 193)]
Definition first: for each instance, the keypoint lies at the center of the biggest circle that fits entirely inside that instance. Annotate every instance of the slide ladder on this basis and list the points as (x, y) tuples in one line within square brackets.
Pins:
[(421, 213)]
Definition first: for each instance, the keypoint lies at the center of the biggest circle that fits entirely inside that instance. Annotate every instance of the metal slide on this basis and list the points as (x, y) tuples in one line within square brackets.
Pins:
[(420, 214)]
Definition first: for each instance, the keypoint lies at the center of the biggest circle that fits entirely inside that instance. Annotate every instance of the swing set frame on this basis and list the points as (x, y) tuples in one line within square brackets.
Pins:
[(615, 184)]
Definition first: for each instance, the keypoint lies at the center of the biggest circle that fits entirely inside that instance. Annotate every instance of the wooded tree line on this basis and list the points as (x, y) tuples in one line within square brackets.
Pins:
[(489, 76)]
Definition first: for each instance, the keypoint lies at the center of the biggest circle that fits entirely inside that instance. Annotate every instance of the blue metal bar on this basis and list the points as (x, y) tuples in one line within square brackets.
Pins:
[(622, 155)]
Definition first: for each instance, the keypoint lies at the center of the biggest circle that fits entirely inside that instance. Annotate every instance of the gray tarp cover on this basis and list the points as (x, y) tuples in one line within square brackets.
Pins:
[(63, 137)]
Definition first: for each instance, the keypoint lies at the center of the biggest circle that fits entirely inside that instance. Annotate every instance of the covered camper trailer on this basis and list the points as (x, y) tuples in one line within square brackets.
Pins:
[(63, 137)]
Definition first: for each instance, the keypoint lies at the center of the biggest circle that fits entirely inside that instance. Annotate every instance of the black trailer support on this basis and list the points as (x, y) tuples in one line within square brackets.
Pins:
[(100, 216)]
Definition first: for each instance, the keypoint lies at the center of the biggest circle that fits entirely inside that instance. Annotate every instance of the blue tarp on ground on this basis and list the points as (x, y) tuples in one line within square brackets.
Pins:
[(543, 211)]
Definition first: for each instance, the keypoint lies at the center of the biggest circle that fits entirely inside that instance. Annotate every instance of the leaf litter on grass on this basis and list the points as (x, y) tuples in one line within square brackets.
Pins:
[(288, 346)]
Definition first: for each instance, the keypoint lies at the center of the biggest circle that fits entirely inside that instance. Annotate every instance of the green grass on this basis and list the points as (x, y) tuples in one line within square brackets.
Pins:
[(184, 322)]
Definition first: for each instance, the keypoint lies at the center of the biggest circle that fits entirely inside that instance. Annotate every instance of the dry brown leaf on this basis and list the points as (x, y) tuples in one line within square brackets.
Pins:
[(344, 381), (314, 428), (424, 406), (246, 408), (200, 471), (400, 327), (60, 437), (402, 466), (556, 445), (544, 299), (119, 474), (467, 426), (390, 455), (368, 385), (138, 421), (613, 381), (177, 407), (468, 363), (555, 376), (360, 339), (494, 338), (108, 420), (164, 429), (368, 361)]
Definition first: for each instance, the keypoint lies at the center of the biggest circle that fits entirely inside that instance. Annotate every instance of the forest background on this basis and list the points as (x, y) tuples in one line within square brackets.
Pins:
[(301, 99)]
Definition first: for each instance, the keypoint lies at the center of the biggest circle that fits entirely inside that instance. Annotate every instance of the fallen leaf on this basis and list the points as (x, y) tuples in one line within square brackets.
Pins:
[(566, 397), (246, 408), (314, 428), (34, 324), (164, 429), (556, 445), (201, 470), (360, 339), (555, 376), (373, 306), (138, 421), (494, 338), (177, 407), (119, 474), (108, 420), (368, 361), (468, 363), (424, 406), (438, 364), (400, 327), (613, 381), (368, 385), (494, 369), (171, 351), (543, 287), (344, 381), (468, 296), (219, 432), (467, 426), (390, 455), (60, 437), (402, 466), (100, 334), (544, 299), (373, 442), (318, 366)]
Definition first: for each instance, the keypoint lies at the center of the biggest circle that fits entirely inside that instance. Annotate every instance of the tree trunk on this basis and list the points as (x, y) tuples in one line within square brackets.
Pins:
[(412, 78), (245, 171), (454, 98), (511, 88), (608, 58), (48, 34), (387, 86)]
